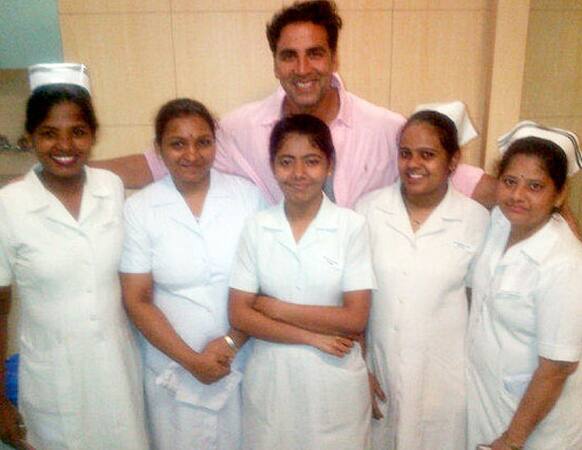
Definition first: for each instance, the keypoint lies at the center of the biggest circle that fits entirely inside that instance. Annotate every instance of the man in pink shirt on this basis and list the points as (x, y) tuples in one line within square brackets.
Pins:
[(303, 38)]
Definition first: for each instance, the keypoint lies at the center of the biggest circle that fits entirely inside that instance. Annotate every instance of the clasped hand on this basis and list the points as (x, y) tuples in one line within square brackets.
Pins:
[(213, 363)]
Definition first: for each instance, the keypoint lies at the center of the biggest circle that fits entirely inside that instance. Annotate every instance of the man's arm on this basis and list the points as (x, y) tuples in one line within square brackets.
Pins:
[(133, 170), (485, 191)]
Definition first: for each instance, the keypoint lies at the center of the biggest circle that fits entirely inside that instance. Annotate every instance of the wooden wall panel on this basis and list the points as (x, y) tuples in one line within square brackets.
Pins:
[(130, 59), (365, 54), (436, 5), (112, 6), (552, 84), (223, 59), (440, 56), (226, 5), (119, 140)]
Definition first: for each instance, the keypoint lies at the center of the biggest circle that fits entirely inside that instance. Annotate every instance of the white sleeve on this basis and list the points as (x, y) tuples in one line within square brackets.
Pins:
[(5, 266), (244, 275), (559, 314), (358, 273), (137, 247)]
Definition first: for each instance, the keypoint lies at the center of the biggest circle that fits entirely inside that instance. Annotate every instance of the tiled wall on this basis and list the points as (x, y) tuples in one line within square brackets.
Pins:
[(394, 53), (552, 89)]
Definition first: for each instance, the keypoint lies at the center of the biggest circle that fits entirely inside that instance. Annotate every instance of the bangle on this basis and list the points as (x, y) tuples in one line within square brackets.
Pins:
[(509, 444), (230, 342)]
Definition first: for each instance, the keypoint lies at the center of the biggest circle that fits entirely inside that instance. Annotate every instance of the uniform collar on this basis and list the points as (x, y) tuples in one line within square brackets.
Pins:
[(391, 204), (450, 208), (166, 193), (538, 246), (325, 219), (40, 197), (272, 110)]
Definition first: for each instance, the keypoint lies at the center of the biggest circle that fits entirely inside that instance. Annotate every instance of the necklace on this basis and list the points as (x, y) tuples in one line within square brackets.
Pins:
[(418, 220)]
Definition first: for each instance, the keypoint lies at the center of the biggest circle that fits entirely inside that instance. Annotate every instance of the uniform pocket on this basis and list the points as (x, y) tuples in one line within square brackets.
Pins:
[(516, 385), (38, 387)]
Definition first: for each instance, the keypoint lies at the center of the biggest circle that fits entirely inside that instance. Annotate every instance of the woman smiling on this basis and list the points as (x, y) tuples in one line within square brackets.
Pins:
[(60, 242), (301, 287), (181, 236), (525, 335), (424, 236)]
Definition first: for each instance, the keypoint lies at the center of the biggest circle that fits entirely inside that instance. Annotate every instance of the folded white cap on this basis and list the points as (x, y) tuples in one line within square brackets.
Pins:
[(457, 112), (70, 73), (564, 139)]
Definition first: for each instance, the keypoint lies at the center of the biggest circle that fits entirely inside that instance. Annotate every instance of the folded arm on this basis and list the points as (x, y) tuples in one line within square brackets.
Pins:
[(349, 318), (244, 317)]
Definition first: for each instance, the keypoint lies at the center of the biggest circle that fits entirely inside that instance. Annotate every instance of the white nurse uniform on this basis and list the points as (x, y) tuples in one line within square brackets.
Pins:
[(527, 304), (80, 375), (419, 316), (190, 260), (296, 397)]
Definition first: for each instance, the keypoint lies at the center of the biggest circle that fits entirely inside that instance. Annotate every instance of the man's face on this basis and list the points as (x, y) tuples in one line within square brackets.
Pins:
[(304, 65)]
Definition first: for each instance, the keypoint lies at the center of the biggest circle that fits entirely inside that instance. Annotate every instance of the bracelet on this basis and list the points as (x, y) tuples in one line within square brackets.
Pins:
[(510, 444), (230, 342)]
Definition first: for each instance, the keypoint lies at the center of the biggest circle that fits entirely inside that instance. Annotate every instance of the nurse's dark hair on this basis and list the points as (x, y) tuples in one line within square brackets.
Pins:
[(319, 12), (445, 128), (182, 107), (551, 156), (45, 97), (305, 125)]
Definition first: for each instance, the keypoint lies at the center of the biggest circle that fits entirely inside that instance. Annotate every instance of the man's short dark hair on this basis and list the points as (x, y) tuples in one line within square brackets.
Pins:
[(319, 12)]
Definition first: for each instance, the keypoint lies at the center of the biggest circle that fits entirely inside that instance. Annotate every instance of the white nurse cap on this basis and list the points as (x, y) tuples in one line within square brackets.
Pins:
[(69, 73), (564, 139), (457, 112)]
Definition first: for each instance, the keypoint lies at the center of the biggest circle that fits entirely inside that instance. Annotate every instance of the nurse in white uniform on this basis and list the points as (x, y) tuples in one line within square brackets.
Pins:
[(424, 237), (301, 287), (181, 237), (60, 242), (525, 335)]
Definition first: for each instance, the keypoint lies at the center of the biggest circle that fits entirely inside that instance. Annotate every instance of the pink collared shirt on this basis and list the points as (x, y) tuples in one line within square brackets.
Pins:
[(365, 137)]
